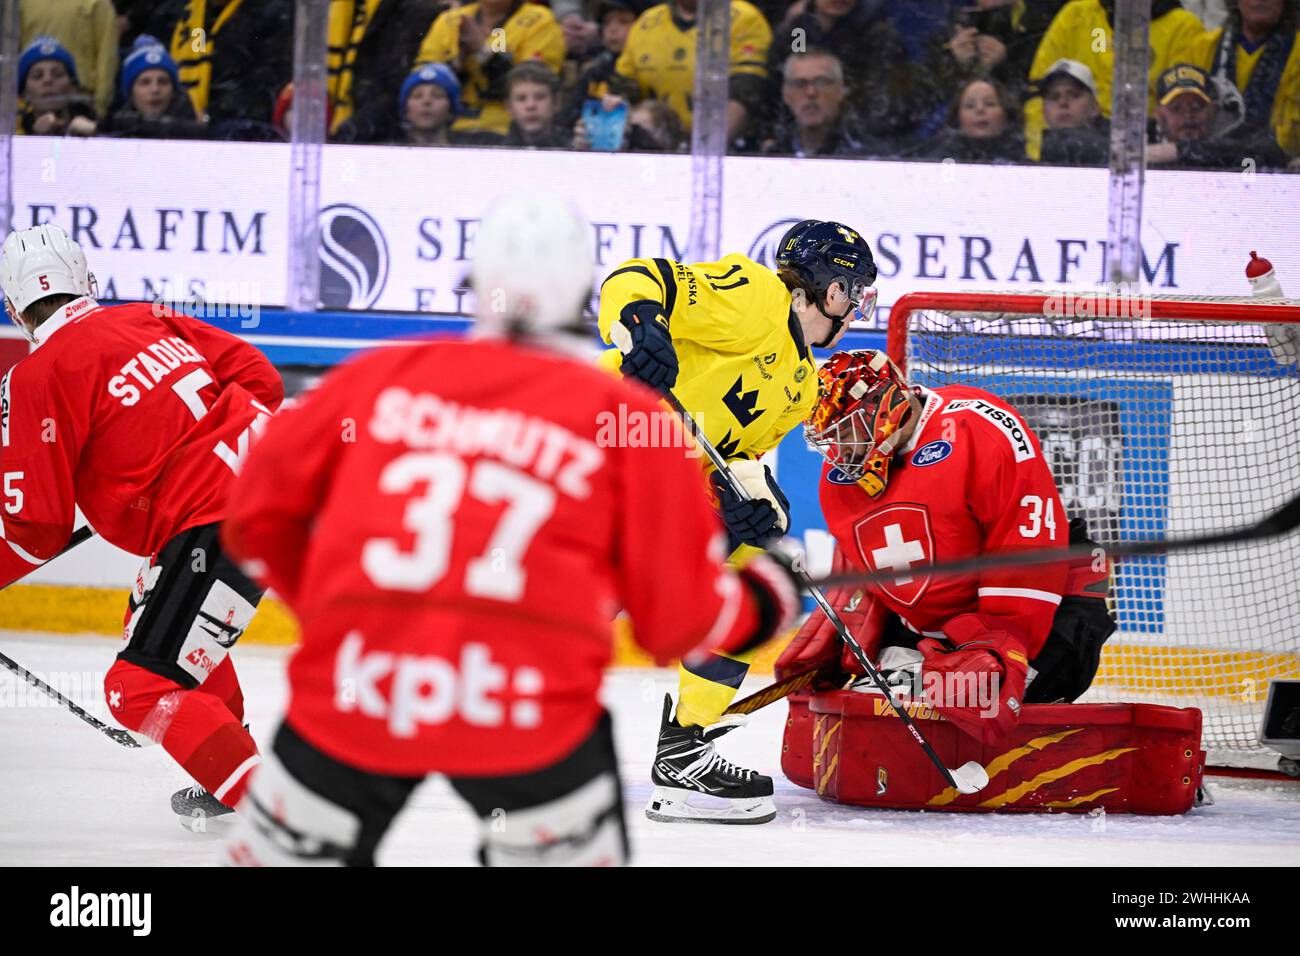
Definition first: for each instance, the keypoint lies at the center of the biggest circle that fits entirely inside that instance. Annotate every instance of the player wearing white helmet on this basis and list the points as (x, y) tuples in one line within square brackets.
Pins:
[(455, 562), (136, 415)]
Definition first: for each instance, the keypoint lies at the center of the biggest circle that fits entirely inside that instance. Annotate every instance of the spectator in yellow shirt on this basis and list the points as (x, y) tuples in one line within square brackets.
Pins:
[(659, 60), (1258, 52), (481, 42), (1084, 32)]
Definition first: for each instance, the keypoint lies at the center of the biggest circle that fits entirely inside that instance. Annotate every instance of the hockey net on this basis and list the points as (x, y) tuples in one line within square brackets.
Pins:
[(1159, 416)]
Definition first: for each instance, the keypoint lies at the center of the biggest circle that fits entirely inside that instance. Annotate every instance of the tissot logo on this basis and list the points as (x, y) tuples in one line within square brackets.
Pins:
[(353, 258), (763, 249)]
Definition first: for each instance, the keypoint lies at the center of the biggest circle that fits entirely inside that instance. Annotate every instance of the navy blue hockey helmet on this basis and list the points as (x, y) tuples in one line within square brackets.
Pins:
[(817, 254)]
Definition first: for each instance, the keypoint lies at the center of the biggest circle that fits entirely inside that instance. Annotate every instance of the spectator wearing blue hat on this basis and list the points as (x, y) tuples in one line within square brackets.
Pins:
[(428, 102), (52, 102), (87, 29), (155, 106)]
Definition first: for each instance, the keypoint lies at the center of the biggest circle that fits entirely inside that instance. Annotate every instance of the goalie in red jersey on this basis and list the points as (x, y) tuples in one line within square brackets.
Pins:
[(139, 416), (454, 528), (915, 476)]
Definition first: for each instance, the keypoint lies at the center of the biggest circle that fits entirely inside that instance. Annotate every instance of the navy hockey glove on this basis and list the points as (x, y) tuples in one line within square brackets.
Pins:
[(760, 519), (642, 335)]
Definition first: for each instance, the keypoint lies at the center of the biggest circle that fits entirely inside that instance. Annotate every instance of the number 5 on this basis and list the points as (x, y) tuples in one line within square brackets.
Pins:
[(14, 492)]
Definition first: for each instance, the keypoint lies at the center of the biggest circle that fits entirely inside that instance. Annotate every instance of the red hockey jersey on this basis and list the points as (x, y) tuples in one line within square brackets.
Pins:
[(137, 415), (456, 524), (972, 479)]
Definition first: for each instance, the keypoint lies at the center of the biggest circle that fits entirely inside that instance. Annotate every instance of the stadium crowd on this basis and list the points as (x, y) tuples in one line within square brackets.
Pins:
[(1009, 81)]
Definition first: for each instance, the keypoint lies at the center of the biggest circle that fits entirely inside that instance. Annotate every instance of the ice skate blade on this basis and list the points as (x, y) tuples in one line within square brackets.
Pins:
[(202, 823), (673, 805)]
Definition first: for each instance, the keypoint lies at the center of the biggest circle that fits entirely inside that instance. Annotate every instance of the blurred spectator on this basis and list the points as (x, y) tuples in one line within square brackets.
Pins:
[(234, 58), (1076, 133), (155, 106), (282, 114), (923, 23), (581, 35), (616, 18), (135, 17), (1258, 52), (817, 121), (999, 38), (52, 103), (533, 101), (659, 60), (1083, 31), (428, 104), (1213, 13), (372, 48), (652, 127), (482, 42), (982, 127), (1199, 132), (884, 91), (88, 30)]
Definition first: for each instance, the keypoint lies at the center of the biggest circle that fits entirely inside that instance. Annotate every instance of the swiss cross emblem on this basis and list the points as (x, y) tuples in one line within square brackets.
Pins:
[(898, 538), (115, 697)]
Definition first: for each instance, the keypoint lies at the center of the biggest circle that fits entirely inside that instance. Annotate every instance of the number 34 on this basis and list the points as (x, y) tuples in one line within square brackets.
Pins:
[(1039, 517)]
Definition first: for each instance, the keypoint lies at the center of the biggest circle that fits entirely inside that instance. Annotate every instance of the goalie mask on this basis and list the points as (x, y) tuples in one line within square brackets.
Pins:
[(865, 412)]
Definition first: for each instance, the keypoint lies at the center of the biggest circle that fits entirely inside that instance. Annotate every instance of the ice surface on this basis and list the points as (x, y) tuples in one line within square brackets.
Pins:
[(69, 795)]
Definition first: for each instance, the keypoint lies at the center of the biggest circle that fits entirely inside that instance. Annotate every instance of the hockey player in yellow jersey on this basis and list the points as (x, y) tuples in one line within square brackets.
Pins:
[(731, 340)]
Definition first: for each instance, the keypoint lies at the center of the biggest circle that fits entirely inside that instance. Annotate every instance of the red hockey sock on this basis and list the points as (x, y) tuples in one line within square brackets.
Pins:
[(223, 684), (194, 726)]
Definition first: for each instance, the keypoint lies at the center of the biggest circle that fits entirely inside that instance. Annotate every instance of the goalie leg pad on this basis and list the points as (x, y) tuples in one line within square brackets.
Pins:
[(1074, 758)]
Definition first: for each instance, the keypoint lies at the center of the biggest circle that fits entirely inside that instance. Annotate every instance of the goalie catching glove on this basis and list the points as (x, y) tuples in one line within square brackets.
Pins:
[(642, 335), (758, 520)]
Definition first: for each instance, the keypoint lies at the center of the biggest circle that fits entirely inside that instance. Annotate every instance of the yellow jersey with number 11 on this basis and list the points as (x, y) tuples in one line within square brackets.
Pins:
[(744, 371)]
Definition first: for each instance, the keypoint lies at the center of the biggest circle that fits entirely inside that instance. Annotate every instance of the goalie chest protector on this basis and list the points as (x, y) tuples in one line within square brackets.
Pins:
[(1074, 758)]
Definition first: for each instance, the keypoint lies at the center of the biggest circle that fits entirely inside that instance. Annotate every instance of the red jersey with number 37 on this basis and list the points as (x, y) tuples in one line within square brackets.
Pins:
[(134, 414), (456, 524), (971, 480)]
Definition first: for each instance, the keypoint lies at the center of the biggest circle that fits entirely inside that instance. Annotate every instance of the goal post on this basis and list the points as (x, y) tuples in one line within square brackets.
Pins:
[(1159, 416)]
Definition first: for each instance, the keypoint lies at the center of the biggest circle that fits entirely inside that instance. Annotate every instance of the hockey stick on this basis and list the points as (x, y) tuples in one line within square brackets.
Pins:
[(782, 689), (123, 737), (1281, 521), (970, 777)]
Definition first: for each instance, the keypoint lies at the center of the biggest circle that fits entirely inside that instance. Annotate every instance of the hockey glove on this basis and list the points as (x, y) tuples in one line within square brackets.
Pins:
[(976, 677), (642, 335), (758, 520), (777, 590)]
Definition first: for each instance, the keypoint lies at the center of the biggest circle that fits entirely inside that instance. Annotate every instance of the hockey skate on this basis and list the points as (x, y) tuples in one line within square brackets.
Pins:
[(694, 784), (197, 809)]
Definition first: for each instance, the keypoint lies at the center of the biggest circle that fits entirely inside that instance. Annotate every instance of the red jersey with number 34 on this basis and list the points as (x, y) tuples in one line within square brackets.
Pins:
[(971, 480), (456, 524), (134, 414)]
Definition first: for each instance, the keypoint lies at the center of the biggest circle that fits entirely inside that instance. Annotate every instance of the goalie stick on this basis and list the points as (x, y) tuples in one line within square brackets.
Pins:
[(122, 737), (970, 777), (1281, 521)]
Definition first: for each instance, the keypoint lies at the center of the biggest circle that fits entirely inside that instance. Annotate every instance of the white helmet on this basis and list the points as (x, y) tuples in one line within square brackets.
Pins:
[(39, 262), (532, 265)]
